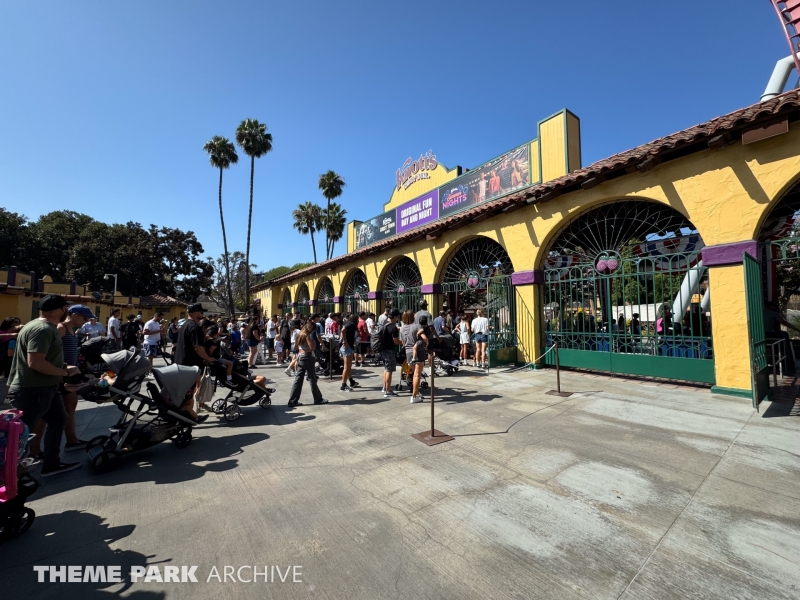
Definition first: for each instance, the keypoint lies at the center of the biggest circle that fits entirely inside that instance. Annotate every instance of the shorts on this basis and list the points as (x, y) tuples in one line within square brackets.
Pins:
[(480, 338), (364, 347), (151, 350), (251, 343), (464, 338), (389, 360), (287, 343), (270, 343), (422, 355), (346, 351)]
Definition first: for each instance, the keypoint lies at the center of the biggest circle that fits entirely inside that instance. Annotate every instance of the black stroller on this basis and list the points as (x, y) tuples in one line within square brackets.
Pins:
[(446, 361), (242, 390), (92, 366), (145, 420), (330, 361)]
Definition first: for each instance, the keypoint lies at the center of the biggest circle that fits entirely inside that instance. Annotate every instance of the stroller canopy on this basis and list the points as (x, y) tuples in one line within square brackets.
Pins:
[(125, 367), (93, 349), (177, 380)]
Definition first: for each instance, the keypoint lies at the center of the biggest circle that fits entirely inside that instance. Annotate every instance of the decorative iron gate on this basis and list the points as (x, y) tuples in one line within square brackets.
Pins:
[(356, 297), (287, 302), (479, 276), (325, 295), (302, 300), (755, 325), (403, 286)]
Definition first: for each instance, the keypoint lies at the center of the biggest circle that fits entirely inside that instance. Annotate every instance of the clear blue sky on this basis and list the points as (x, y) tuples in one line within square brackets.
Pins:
[(105, 106)]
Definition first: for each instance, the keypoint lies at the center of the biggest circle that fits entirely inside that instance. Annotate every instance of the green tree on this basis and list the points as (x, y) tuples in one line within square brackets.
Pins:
[(15, 247), (331, 184), (334, 222), (221, 155), (185, 274), (51, 238), (276, 272), (307, 220), (239, 275), (254, 141)]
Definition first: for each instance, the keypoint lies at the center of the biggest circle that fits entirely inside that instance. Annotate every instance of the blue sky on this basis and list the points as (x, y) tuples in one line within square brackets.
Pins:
[(105, 106)]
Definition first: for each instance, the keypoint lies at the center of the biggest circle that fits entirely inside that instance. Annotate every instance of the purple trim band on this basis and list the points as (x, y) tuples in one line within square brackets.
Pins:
[(280, 306), (527, 277), (312, 302), (375, 295), (431, 288), (337, 299), (729, 254)]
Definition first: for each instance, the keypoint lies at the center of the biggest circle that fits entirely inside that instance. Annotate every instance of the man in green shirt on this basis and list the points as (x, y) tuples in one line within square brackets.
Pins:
[(36, 371)]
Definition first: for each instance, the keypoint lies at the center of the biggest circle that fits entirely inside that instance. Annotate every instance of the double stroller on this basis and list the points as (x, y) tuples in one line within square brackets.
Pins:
[(146, 420), (16, 482), (242, 389), (328, 357)]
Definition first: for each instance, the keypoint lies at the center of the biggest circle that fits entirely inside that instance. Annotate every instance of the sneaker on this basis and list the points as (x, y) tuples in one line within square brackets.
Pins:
[(386, 394), (61, 468), (391, 393), (416, 399), (202, 418), (323, 401), (288, 371), (345, 388), (79, 445), (354, 383)]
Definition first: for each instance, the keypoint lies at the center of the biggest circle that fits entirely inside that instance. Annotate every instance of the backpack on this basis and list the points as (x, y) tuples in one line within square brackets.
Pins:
[(376, 339)]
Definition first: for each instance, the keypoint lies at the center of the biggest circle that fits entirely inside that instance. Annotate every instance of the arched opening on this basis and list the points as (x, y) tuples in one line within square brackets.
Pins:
[(356, 293), (625, 291), (302, 298), (325, 295), (478, 276), (287, 301), (402, 286)]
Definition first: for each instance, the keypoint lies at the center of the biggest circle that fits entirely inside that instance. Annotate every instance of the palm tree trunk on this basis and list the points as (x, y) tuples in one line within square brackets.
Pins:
[(225, 248), (247, 254), (327, 233), (313, 245)]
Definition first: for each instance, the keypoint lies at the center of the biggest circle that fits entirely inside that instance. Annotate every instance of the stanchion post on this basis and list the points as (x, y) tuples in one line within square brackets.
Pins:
[(432, 436), (557, 391), (330, 360)]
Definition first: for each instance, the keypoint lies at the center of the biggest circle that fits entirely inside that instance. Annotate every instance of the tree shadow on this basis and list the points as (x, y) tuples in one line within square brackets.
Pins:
[(70, 538)]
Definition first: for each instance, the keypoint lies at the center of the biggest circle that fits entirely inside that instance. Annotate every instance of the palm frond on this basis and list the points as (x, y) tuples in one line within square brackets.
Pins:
[(221, 152)]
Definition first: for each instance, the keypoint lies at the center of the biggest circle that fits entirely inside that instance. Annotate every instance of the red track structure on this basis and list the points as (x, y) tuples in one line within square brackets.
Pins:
[(789, 15)]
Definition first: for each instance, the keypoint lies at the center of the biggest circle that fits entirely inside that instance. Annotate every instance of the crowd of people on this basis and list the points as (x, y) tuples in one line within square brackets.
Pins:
[(39, 360)]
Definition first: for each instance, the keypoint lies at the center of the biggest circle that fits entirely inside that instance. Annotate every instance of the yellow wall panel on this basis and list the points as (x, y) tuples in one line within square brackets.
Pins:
[(553, 146)]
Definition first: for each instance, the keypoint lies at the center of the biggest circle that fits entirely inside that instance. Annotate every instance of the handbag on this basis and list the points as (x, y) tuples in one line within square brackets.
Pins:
[(205, 390)]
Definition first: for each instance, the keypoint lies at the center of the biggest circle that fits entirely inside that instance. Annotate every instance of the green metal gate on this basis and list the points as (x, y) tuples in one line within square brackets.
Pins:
[(615, 314), (356, 298), (403, 298), (402, 288), (302, 301), (325, 304), (754, 294)]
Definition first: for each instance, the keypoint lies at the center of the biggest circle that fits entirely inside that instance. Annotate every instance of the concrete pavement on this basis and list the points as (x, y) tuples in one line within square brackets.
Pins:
[(624, 490)]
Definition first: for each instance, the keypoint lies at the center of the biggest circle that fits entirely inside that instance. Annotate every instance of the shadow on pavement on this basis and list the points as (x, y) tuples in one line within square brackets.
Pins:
[(782, 409), (69, 538)]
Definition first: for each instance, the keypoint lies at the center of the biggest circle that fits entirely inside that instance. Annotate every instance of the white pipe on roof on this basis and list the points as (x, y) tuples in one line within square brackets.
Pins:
[(780, 75)]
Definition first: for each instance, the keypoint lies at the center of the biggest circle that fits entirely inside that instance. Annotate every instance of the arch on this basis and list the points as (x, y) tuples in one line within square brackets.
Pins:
[(781, 220), (479, 256), (287, 300), (355, 283), (325, 291), (619, 226), (401, 273), (302, 297)]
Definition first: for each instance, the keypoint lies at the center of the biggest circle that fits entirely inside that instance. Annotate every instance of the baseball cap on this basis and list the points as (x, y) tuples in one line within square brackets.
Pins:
[(51, 302), (82, 310), (196, 307)]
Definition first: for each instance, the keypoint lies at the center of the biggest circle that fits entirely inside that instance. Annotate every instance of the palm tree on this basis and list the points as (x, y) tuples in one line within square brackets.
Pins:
[(331, 184), (308, 219), (221, 155), (334, 226), (254, 141)]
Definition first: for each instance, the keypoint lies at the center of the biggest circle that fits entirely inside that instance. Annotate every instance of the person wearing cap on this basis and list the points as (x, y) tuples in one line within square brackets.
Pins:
[(391, 338), (36, 371), (92, 329), (152, 337), (78, 315), (191, 350)]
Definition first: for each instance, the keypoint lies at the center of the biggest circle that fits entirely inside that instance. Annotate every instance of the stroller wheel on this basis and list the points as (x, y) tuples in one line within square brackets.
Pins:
[(218, 405), (106, 461), (20, 523), (265, 402), (96, 444), (398, 387), (183, 438), (424, 385), (232, 412)]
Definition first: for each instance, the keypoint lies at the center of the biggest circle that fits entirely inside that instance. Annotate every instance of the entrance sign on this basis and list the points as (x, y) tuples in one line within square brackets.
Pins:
[(376, 229), (411, 172)]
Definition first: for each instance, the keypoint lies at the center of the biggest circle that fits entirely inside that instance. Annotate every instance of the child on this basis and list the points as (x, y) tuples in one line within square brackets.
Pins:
[(421, 345), (290, 370)]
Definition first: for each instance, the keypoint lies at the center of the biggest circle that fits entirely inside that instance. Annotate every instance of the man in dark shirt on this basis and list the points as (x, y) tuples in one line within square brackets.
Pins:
[(191, 350), (129, 333), (391, 338), (347, 351)]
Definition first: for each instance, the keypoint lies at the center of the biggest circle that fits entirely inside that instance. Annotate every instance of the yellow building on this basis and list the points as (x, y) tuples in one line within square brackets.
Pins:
[(639, 264)]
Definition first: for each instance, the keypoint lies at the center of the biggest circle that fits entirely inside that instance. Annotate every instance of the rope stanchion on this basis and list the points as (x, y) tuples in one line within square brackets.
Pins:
[(434, 436), (557, 391), (533, 362)]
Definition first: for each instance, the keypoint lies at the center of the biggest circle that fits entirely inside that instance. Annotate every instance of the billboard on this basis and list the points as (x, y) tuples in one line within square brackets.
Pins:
[(498, 177), (418, 212), (376, 229)]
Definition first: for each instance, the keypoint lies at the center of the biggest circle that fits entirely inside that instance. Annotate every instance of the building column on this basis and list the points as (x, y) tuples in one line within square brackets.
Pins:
[(432, 292), (529, 332), (730, 335), (375, 302)]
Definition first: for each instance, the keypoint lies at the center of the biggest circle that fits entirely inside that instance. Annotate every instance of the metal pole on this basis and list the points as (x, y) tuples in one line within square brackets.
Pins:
[(330, 360), (558, 369), (774, 366), (432, 393)]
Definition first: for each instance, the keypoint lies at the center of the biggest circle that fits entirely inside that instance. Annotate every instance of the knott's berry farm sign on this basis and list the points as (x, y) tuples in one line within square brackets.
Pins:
[(417, 170)]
